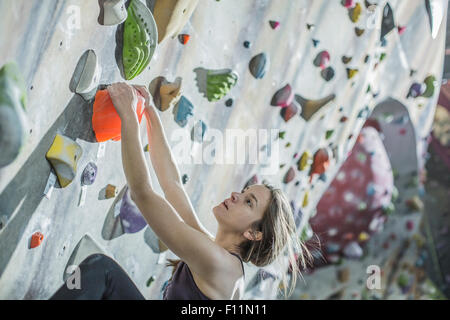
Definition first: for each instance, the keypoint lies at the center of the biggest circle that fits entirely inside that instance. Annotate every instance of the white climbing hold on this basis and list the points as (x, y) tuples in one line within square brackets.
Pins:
[(114, 12)]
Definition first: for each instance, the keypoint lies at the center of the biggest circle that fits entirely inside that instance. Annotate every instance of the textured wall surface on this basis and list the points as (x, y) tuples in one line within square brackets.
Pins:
[(38, 36)]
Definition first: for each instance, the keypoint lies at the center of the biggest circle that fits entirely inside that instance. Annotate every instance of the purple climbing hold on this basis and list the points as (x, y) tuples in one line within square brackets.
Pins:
[(283, 97), (416, 90), (130, 216), (258, 65), (89, 174)]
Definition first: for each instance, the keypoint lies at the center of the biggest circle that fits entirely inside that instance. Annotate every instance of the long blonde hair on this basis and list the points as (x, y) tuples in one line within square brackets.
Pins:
[(279, 237)]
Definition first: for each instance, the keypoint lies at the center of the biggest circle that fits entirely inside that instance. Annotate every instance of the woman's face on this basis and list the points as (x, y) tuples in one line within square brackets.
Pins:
[(238, 212)]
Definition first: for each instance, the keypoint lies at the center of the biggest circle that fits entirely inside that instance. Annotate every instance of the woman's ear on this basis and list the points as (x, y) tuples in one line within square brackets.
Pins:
[(253, 235)]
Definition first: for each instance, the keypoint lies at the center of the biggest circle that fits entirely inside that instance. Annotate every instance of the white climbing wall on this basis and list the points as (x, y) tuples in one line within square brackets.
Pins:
[(47, 37)]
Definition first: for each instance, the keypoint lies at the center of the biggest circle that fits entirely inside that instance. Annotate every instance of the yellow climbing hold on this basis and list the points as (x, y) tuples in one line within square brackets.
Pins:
[(363, 236), (355, 13), (305, 200), (63, 156), (351, 72), (304, 161)]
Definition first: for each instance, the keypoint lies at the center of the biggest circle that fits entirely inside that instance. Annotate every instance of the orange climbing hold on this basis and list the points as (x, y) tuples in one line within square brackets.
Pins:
[(36, 239), (184, 38), (106, 121), (320, 163)]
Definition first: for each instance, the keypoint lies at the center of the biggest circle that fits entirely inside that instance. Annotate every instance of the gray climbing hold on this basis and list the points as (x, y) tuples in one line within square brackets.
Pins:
[(387, 24), (258, 65), (86, 76)]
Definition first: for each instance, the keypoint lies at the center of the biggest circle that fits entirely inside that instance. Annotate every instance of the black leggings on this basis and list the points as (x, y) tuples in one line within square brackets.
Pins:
[(101, 279)]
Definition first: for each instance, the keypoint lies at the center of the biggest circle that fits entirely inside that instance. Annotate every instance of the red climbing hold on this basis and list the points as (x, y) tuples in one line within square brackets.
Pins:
[(184, 38), (288, 112), (274, 24), (320, 163), (36, 239)]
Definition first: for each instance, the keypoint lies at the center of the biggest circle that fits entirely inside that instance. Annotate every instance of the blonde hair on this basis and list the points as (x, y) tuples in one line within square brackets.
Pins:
[(279, 237)]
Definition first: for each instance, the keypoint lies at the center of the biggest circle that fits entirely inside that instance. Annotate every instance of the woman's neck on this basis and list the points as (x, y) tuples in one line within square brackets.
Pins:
[(229, 242)]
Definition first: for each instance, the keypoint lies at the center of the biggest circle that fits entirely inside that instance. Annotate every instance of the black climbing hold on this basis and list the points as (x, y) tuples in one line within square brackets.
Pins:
[(327, 73), (185, 178), (247, 44), (315, 42), (229, 102)]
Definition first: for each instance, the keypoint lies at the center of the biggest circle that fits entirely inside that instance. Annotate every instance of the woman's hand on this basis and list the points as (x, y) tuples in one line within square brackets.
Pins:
[(150, 110), (124, 98)]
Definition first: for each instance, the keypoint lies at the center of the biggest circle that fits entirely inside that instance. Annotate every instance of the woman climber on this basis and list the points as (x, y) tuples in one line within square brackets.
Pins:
[(255, 225)]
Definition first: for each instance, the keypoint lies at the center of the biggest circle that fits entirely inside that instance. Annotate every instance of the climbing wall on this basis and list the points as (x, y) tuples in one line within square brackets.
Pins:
[(325, 66)]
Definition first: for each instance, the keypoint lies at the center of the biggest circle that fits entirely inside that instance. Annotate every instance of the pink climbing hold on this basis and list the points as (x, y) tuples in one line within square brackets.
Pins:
[(349, 3), (401, 29), (274, 24), (322, 59), (283, 97), (409, 225), (289, 176)]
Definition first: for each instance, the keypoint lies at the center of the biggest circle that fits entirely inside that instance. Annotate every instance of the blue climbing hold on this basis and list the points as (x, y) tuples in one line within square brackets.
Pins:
[(183, 111)]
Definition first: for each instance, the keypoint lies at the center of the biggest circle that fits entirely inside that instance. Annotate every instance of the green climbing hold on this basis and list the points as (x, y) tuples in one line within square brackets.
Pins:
[(328, 134), (431, 84), (139, 39), (219, 83), (13, 125)]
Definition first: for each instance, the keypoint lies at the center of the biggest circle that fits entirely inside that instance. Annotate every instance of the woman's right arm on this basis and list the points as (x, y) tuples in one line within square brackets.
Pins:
[(166, 169)]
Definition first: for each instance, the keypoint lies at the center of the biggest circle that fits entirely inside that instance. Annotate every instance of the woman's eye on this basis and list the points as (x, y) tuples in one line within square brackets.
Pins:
[(249, 202)]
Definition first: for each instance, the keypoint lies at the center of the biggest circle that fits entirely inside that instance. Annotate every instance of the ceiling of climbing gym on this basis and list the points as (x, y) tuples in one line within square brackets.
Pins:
[(344, 103)]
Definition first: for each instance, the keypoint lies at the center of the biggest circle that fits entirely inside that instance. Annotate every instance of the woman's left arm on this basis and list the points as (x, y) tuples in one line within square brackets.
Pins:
[(202, 254)]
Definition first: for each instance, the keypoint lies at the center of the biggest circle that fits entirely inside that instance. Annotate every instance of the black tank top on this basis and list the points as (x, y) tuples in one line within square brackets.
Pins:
[(182, 285)]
